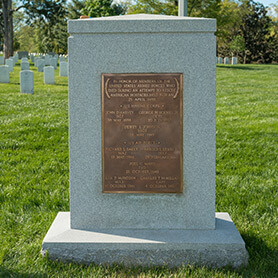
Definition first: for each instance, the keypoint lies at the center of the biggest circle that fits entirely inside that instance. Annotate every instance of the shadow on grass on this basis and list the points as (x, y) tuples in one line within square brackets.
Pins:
[(238, 67), (263, 260), (61, 84)]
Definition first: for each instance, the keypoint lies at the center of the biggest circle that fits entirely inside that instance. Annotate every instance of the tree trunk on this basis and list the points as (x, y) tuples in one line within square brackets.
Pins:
[(8, 28)]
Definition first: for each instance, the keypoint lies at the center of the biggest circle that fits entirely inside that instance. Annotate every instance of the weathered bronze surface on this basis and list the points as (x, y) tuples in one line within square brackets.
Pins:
[(142, 133)]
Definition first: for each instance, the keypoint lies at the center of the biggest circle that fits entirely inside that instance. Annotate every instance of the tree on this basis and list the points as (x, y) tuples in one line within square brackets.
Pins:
[(49, 19), (255, 29), (6, 27), (98, 8), (74, 9)]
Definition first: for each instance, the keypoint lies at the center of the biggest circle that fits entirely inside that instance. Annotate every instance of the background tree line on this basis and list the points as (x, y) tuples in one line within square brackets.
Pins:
[(244, 28)]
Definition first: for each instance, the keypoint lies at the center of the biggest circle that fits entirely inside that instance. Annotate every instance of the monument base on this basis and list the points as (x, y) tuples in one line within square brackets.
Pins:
[(217, 248)]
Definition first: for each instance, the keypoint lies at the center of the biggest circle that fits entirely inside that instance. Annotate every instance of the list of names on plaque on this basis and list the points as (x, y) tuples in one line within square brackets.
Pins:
[(142, 133)]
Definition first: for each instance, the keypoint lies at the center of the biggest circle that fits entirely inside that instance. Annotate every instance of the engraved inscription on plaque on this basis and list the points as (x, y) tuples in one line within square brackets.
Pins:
[(142, 133)]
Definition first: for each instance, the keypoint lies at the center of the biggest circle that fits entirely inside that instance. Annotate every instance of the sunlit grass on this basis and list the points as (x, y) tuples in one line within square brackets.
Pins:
[(34, 175)]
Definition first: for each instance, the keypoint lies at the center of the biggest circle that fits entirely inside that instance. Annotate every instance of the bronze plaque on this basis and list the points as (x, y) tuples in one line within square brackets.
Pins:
[(142, 133)]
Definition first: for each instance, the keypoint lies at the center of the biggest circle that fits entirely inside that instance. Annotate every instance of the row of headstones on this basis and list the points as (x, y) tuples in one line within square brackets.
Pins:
[(27, 79), (26, 75), (46, 57), (40, 64), (233, 61)]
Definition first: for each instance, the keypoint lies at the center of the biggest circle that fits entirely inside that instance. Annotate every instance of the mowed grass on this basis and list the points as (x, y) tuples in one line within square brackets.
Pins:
[(34, 176)]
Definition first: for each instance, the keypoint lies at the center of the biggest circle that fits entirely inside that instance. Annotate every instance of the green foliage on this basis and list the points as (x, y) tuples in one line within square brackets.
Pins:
[(255, 29), (169, 7), (25, 40), (49, 19), (98, 8), (237, 45), (34, 176), (74, 9)]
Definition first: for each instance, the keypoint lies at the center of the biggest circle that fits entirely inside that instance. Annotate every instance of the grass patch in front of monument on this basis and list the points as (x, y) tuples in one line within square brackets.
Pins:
[(34, 174)]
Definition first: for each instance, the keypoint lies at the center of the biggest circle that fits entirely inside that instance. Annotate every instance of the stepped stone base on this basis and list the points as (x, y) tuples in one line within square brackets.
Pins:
[(217, 248)]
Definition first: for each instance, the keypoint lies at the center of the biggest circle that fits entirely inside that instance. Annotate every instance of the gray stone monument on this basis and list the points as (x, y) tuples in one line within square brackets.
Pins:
[(10, 63), (220, 60), (24, 65), (26, 82), (40, 64), (4, 74), (2, 60), (53, 62), (32, 57), (142, 98), (49, 75), (63, 69), (234, 60), (226, 61)]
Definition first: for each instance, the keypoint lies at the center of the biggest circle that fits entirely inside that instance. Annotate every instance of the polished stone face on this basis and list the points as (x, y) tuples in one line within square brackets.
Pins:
[(139, 128), (142, 44), (142, 133)]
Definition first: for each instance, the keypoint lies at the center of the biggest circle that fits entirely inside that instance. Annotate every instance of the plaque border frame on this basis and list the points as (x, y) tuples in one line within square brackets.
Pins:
[(181, 133)]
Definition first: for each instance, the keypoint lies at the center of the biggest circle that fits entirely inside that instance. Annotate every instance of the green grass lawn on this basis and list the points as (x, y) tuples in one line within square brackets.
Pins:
[(34, 175)]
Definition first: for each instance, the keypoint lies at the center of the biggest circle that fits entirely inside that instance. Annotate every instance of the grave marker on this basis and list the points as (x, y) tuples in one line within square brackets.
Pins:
[(53, 63), (40, 64), (49, 75), (234, 60), (63, 69), (22, 54), (24, 65), (26, 82), (142, 146), (4, 74), (47, 60), (62, 59), (10, 63)]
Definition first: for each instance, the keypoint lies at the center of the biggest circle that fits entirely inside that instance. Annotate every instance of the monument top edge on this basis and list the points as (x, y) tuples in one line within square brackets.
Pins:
[(137, 23), (144, 17)]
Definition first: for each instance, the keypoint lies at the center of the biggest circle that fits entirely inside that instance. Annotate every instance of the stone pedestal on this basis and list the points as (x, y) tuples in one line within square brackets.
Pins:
[(217, 248), (143, 228)]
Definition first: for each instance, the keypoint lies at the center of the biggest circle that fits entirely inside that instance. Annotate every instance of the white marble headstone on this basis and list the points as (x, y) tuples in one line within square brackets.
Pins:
[(234, 60), (226, 60), (63, 69), (9, 62), (40, 64), (25, 65), (62, 59), (53, 63), (47, 60), (26, 82), (48, 75), (4, 74)]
